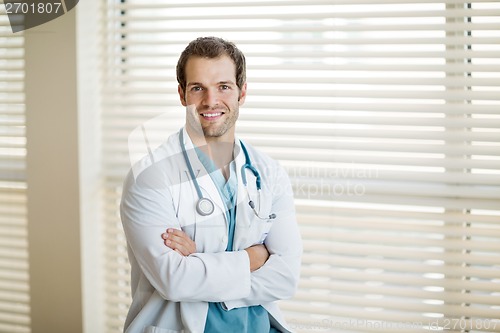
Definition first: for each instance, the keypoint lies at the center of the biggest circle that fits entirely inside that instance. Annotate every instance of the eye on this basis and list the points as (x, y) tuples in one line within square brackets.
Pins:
[(225, 87), (196, 88)]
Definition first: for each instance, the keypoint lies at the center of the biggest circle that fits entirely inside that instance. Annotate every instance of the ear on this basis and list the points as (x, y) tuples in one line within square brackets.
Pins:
[(243, 94), (182, 96)]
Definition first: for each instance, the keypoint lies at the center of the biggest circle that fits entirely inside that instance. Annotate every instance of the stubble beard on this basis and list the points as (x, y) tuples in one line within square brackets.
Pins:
[(216, 130)]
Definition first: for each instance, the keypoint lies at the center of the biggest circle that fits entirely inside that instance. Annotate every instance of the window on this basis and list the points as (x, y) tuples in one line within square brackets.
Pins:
[(386, 116), (14, 284)]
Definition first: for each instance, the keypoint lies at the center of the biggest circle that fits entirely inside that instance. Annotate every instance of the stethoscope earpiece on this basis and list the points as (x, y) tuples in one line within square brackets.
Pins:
[(252, 205)]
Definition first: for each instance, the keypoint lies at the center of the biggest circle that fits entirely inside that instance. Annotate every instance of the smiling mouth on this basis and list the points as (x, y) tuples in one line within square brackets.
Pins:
[(211, 116)]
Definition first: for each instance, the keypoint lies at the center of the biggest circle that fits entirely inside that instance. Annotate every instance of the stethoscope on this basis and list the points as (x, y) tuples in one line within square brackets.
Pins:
[(205, 206)]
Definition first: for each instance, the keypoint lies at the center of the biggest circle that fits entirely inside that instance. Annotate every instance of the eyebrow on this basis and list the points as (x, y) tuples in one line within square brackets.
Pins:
[(201, 84), (226, 82)]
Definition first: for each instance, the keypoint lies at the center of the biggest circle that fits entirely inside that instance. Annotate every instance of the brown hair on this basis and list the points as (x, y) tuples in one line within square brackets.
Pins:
[(211, 47)]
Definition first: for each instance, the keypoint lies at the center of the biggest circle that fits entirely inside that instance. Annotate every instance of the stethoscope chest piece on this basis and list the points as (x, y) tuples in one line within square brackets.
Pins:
[(204, 207)]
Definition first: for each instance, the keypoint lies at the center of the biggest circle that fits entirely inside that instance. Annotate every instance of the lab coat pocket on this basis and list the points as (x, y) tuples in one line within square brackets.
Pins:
[(253, 224), (264, 230), (261, 225), (154, 329), (255, 233)]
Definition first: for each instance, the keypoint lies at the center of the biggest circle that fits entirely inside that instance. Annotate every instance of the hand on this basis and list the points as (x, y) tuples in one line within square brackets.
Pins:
[(258, 255), (178, 241)]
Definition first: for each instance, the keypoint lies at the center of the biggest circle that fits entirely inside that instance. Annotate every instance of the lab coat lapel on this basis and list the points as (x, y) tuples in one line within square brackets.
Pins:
[(240, 160), (243, 217)]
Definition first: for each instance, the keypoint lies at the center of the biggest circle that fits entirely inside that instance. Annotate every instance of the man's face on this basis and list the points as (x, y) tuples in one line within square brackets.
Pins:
[(211, 88)]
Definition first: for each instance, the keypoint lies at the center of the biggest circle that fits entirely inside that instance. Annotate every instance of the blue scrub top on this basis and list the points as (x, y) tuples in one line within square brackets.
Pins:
[(247, 319)]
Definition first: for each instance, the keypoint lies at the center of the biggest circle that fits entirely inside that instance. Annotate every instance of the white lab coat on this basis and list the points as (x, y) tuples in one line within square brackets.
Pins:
[(170, 292)]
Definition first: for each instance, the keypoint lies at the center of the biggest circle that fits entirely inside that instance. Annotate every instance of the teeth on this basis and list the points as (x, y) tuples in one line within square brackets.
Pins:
[(209, 115)]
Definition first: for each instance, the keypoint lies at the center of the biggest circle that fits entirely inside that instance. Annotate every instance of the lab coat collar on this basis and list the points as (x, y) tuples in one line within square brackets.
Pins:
[(239, 156), (239, 159)]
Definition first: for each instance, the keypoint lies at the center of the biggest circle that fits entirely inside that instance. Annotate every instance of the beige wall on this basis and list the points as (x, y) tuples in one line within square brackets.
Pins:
[(62, 174)]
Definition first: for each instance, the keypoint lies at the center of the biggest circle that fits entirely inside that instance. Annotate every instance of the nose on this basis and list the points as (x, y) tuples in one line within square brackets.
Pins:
[(210, 98)]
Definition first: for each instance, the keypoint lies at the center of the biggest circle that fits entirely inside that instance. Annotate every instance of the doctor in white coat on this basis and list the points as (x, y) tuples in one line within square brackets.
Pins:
[(192, 270)]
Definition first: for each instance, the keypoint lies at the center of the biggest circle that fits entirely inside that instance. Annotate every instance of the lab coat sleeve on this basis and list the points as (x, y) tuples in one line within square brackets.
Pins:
[(146, 212), (278, 278)]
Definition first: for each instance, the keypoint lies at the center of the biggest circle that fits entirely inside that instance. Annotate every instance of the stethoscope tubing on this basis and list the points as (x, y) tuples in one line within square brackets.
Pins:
[(205, 206)]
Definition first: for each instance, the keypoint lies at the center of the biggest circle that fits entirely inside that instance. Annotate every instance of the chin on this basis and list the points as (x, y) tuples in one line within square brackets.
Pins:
[(213, 134), (214, 131)]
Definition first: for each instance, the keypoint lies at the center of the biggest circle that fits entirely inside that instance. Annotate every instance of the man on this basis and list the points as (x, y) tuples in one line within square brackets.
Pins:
[(210, 223)]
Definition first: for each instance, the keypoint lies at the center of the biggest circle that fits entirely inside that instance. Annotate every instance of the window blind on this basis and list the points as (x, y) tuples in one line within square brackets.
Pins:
[(385, 115), (14, 284)]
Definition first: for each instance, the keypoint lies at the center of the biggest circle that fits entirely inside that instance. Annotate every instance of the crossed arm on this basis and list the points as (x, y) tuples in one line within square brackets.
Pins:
[(178, 241), (263, 273)]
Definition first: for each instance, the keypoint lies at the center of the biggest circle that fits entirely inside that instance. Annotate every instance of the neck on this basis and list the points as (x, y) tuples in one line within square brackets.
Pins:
[(219, 149)]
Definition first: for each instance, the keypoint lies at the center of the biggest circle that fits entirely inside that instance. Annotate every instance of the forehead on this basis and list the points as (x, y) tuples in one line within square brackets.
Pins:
[(207, 70)]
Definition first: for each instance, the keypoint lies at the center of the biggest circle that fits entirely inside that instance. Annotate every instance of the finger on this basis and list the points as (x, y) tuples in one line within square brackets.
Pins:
[(177, 232), (171, 230), (167, 233), (181, 237), (183, 241), (180, 248), (168, 243), (177, 244), (171, 243), (186, 247), (176, 239)]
